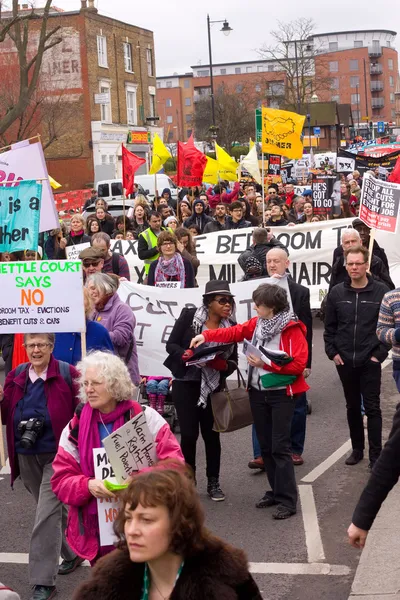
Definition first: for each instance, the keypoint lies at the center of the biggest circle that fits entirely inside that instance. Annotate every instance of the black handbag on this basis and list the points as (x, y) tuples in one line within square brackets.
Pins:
[(231, 407)]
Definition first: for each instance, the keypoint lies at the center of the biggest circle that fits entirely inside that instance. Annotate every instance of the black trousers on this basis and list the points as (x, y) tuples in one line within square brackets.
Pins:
[(272, 413), (363, 381), (185, 395)]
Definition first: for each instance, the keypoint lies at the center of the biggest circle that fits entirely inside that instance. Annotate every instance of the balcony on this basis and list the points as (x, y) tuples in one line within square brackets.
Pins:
[(376, 69), (377, 103), (376, 86), (375, 51)]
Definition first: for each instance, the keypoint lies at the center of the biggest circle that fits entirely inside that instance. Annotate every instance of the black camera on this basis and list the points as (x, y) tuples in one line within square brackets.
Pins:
[(31, 430)]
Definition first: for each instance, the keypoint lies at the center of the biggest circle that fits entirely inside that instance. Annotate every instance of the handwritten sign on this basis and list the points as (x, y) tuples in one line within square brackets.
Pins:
[(171, 285), (107, 508), (19, 216), (73, 252), (130, 448)]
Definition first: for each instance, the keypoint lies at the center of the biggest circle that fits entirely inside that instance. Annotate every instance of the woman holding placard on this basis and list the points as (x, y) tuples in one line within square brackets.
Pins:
[(165, 551), (76, 236), (106, 390)]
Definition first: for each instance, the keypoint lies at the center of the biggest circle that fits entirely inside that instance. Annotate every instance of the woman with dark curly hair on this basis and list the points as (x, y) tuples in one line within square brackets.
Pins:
[(164, 549)]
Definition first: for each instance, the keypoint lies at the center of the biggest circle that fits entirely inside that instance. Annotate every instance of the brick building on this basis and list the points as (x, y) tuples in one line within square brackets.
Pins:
[(104, 72), (357, 68)]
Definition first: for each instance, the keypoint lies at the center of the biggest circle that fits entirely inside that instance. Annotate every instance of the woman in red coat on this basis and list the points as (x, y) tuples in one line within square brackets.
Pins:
[(272, 387)]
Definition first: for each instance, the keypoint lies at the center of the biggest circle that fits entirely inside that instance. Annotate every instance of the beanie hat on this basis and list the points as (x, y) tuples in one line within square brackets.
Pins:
[(198, 201), (169, 219)]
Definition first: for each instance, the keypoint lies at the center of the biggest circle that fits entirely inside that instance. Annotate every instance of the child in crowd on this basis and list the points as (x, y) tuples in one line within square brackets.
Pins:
[(157, 390)]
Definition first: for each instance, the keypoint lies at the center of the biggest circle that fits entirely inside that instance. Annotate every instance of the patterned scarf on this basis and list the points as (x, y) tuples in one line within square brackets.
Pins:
[(210, 378), (170, 268), (268, 328)]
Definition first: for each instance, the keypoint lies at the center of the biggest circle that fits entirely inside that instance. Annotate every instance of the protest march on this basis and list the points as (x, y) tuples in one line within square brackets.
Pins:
[(250, 296)]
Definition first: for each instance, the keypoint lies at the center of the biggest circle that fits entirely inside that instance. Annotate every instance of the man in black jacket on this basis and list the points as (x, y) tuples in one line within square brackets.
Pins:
[(236, 219), (352, 312), (219, 221), (263, 242), (278, 263), (364, 232)]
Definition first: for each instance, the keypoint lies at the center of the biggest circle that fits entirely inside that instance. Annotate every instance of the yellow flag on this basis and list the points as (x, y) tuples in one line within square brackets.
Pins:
[(251, 144), (214, 171), (160, 155), (54, 184), (281, 132), (228, 165)]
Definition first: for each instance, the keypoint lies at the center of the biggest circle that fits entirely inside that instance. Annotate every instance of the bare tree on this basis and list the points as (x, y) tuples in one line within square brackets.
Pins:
[(296, 52), (17, 27)]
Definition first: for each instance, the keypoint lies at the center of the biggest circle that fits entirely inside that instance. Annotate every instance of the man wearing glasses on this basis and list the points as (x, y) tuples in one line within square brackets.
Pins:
[(92, 261), (352, 312), (38, 401)]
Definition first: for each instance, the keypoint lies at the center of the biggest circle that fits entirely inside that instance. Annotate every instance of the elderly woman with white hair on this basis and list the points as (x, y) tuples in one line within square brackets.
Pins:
[(117, 317), (76, 236), (105, 391)]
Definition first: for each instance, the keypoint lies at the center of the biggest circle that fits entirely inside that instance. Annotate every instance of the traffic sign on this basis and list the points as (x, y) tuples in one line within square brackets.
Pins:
[(317, 131), (381, 127), (258, 124)]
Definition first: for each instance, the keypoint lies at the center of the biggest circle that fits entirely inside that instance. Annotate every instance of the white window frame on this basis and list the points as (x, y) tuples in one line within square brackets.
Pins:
[(149, 61), (105, 109), (128, 61), (170, 119), (131, 111), (102, 51), (168, 102)]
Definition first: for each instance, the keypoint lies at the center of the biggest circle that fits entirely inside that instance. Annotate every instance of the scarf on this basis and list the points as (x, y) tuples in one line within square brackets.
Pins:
[(267, 329), (210, 378), (76, 233), (170, 268)]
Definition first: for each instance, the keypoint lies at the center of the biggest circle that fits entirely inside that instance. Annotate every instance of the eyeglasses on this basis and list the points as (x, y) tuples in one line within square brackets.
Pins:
[(356, 264), (40, 346), (224, 300), (90, 263), (272, 192), (167, 244)]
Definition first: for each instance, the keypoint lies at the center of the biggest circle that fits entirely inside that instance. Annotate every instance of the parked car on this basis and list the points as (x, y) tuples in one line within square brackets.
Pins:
[(115, 208), (163, 181), (111, 189)]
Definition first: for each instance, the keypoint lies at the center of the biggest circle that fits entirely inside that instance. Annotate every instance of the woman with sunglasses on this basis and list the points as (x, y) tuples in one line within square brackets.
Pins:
[(192, 386)]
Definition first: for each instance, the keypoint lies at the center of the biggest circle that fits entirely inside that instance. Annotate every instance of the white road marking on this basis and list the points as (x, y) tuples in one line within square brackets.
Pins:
[(327, 463), (258, 567), (315, 549)]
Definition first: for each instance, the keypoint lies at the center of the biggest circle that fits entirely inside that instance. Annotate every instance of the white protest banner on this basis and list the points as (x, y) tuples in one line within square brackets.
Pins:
[(130, 448), (299, 189), (345, 165), (26, 161), (41, 296), (107, 508), (379, 204), (73, 252), (171, 285), (310, 247), (156, 311)]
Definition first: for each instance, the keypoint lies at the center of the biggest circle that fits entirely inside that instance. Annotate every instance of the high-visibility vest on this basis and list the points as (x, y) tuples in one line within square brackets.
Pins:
[(151, 240)]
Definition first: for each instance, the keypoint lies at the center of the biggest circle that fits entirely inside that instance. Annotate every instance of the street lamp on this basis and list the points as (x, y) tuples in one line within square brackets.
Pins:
[(226, 31)]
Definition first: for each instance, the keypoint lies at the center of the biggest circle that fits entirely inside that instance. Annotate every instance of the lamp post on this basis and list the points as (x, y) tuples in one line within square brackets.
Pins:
[(226, 30)]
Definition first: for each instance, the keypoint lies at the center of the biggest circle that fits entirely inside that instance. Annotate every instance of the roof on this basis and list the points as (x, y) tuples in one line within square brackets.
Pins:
[(236, 62), (352, 31), (174, 76)]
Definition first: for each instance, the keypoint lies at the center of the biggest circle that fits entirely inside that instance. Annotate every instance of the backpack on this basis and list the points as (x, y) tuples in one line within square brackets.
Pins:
[(115, 263), (64, 371)]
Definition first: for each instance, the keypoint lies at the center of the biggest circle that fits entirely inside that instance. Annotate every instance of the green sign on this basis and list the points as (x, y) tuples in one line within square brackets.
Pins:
[(258, 124)]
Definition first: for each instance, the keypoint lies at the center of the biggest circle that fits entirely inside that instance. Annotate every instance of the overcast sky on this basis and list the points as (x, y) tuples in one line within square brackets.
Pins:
[(180, 29)]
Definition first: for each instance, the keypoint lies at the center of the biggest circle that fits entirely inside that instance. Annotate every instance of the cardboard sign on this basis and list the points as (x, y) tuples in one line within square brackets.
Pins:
[(73, 252), (107, 508), (130, 448), (379, 203), (19, 216), (41, 296)]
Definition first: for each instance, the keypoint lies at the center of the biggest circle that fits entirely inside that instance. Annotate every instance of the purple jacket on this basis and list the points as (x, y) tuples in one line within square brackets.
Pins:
[(118, 318), (61, 404)]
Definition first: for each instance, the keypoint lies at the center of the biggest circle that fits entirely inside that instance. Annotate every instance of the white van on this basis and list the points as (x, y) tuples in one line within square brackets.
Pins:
[(163, 181)]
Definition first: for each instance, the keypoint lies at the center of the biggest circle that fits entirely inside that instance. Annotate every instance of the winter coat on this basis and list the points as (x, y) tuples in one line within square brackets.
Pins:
[(107, 225), (242, 224), (376, 251), (214, 225), (68, 345), (378, 272), (218, 572), (118, 318), (61, 254), (254, 221), (225, 197), (200, 220), (62, 400), (70, 485), (259, 251), (350, 322), (189, 273), (293, 342), (279, 223)]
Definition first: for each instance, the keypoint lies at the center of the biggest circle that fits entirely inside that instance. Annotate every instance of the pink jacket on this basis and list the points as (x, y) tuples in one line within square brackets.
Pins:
[(70, 485)]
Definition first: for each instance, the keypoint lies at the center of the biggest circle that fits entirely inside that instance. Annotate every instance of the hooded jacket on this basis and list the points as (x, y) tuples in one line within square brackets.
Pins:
[(171, 201), (200, 220), (218, 572), (351, 320)]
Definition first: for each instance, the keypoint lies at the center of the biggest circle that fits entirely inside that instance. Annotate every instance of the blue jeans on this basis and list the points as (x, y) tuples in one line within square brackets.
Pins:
[(396, 376), (298, 428), (159, 388)]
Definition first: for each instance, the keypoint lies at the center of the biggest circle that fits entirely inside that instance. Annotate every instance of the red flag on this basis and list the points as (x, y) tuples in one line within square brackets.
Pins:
[(130, 164), (394, 176), (191, 164)]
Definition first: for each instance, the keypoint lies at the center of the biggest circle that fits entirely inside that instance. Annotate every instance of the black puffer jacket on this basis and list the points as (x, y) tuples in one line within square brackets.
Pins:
[(350, 322), (259, 251)]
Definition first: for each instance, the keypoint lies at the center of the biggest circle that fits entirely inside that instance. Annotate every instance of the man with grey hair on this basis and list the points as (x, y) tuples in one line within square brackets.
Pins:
[(38, 401), (350, 237), (113, 261)]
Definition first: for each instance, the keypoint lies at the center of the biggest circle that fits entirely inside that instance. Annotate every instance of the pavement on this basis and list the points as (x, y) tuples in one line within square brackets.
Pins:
[(378, 574), (307, 556)]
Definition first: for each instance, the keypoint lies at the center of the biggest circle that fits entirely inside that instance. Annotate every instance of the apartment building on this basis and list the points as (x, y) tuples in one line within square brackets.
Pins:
[(104, 73), (359, 68)]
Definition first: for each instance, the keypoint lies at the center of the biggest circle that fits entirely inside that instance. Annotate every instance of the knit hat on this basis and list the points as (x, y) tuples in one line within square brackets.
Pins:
[(166, 191), (169, 219), (198, 201)]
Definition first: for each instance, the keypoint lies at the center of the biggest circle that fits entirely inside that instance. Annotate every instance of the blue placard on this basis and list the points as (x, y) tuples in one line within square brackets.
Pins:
[(317, 130), (381, 127), (19, 216)]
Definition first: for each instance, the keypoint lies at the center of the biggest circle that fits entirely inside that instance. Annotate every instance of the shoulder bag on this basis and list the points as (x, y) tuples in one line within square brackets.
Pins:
[(231, 407)]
